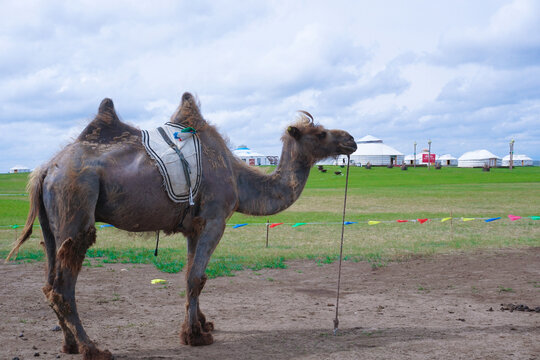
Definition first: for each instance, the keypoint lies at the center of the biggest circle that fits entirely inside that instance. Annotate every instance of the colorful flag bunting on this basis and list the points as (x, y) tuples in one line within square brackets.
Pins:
[(370, 222), (14, 226)]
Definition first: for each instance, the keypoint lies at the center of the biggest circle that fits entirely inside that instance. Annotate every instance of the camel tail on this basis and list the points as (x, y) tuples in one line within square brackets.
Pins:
[(35, 191)]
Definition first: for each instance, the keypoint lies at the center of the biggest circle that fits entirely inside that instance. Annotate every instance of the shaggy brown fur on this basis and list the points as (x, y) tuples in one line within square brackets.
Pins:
[(71, 253), (106, 175)]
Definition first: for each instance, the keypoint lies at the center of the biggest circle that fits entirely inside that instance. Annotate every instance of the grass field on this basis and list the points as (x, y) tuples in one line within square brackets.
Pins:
[(378, 194)]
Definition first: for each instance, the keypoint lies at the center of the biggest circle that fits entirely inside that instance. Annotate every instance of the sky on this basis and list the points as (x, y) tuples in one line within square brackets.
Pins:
[(463, 74)]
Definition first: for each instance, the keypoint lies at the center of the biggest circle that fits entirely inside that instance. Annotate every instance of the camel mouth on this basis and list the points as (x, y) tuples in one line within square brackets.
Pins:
[(347, 149)]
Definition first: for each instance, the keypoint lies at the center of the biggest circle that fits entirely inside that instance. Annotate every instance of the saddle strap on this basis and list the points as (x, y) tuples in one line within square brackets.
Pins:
[(185, 164)]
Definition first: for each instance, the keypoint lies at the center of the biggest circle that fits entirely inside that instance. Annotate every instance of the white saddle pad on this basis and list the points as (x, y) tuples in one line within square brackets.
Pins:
[(168, 161)]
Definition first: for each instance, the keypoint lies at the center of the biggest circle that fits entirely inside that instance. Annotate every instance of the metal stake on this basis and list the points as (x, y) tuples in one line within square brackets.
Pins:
[(267, 227), (336, 320)]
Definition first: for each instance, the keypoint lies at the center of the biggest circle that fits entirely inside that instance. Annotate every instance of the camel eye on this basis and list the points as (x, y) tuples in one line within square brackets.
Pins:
[(321, 135)]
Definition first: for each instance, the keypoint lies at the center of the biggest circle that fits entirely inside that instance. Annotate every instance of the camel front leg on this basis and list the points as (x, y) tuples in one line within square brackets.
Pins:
[(195, 329)]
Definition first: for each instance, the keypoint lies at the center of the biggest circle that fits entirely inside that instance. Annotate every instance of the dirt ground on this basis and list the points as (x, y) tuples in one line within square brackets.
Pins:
[(443, 307)]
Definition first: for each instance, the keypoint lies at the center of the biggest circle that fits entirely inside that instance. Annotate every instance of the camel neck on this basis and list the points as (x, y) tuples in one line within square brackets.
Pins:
[(267, 194)]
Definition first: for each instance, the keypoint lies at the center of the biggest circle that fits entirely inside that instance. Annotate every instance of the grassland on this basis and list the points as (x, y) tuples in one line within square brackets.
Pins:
[(377, 194)]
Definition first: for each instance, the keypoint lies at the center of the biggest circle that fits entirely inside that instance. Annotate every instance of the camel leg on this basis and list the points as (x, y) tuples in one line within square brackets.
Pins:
[(61, 296), (71, 221), (70, 344), (195, 329), (207, 326)]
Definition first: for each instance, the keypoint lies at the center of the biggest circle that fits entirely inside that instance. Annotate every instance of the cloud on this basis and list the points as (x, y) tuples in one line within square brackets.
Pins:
[(400, 71), (511, 40)]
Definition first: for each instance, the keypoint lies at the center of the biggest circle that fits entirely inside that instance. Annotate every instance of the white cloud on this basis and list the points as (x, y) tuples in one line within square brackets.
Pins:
[(458, 72)]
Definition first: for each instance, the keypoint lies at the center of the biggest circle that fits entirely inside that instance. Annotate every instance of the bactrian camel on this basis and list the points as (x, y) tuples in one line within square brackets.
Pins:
[(106, 175)]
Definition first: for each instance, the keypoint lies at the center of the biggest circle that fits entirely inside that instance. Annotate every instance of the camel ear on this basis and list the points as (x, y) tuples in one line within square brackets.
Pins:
[(294, 132)]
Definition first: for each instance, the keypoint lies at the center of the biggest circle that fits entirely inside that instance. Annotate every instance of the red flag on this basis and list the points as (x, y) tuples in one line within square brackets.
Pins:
[(421, 221), (403, 221), (275, 224)]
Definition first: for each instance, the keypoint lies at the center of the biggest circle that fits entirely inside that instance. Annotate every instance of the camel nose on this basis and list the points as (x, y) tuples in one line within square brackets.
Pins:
[(348, 145), (350, 142)]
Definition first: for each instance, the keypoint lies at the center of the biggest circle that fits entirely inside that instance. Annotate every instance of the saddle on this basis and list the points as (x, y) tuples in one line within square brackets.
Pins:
[(176, 149)]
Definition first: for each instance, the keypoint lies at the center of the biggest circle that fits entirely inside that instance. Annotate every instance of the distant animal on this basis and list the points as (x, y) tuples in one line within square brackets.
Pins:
[(337, 172), (323, 170), (106, 175), (320, 167)]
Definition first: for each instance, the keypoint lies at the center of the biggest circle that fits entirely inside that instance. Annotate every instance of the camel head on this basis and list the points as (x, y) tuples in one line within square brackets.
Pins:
[(319, 142)]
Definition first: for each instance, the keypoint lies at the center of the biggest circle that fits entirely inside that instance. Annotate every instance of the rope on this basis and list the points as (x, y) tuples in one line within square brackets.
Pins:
[(336, 320)]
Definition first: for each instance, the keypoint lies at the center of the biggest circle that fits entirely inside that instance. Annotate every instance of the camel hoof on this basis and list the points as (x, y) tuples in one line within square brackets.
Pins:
[(201, 339), (96, 354), (70, 349), (208, 326)]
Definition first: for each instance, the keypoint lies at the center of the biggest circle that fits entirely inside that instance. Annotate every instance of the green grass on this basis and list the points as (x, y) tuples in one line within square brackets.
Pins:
[(376, 194)]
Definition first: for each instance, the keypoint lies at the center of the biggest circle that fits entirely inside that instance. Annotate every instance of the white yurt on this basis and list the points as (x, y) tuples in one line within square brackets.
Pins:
[(479, 158), (409, 159), (19, 169), (517, 160), (373, 150), (328, 161), (251, 157), (447, 160)]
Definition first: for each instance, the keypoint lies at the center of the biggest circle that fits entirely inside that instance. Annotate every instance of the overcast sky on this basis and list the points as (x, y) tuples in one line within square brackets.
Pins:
[(465, 74)]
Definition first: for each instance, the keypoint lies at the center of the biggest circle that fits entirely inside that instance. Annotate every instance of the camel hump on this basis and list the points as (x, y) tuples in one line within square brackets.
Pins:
[(106, 126), (188, 113), (106, 105), (187, 97), (106, 112)]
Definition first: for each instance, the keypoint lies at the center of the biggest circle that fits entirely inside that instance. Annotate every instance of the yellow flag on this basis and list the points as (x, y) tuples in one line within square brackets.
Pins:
[(373, 222), (445, 219), (467, 219)]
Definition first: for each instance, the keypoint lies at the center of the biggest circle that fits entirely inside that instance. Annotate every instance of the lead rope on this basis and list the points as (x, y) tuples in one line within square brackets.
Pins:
[(336, 320)]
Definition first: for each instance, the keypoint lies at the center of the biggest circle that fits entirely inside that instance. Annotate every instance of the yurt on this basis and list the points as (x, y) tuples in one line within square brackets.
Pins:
[(409, 159), (251, 157), (517, 160), (447, 160), (420, 157), (479, 158), (328, 161), (373, 150), (19, 169)]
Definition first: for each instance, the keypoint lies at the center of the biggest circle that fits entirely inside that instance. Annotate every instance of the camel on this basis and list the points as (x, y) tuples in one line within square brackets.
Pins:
[(106, 175)]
